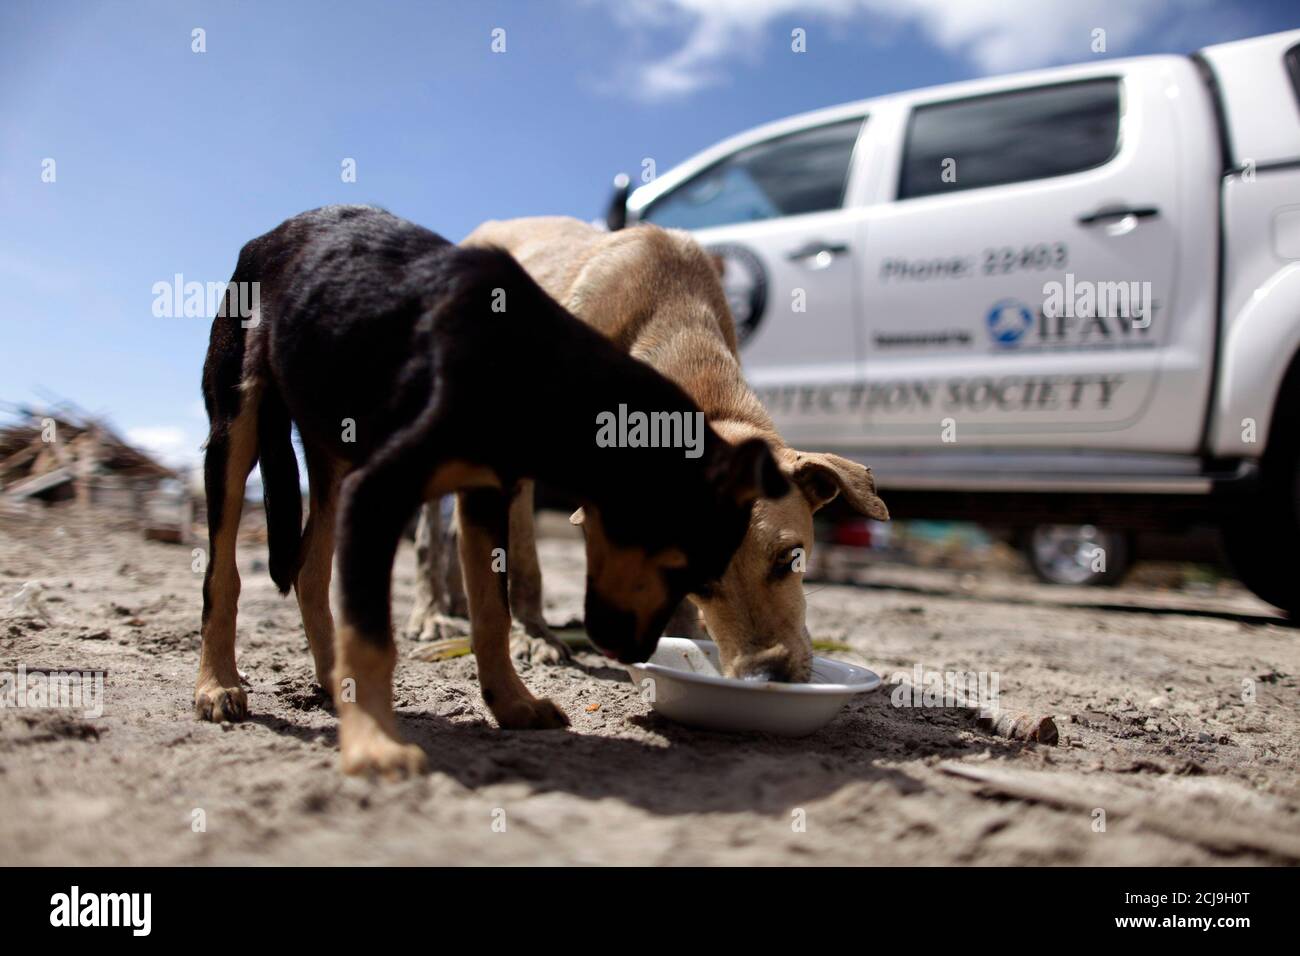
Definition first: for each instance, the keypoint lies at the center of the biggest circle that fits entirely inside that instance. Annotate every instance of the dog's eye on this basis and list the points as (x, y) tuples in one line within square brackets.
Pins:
[(783, 566)]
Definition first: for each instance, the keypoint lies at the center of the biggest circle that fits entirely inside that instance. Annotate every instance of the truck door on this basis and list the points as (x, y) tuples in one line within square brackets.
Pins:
[(773, 211), (1022, 286)]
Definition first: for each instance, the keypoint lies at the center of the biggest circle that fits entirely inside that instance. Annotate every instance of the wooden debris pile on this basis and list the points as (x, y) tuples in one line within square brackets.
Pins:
[(63, 454)]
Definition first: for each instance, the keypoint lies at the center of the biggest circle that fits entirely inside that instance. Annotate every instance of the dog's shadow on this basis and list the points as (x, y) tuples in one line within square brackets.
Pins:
[(664, 768)]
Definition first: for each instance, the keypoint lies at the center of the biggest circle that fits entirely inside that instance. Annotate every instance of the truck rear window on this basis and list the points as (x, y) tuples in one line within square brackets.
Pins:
[(1010, 137)]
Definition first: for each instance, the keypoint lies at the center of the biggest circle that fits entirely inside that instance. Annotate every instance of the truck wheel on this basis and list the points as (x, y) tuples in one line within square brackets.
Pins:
[(1263, 539), (1078, 554)]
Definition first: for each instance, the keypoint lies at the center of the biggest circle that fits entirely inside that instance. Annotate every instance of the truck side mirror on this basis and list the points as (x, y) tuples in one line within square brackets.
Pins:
[(616, 213)]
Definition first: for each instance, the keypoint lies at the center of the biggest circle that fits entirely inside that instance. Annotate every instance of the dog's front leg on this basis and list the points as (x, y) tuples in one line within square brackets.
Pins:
[(427, 532), (375, 504), (438, 612), (686, 622), (484, 522), (538, 643)]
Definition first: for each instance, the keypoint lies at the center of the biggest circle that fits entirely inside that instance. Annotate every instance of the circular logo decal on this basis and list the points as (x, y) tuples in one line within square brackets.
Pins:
[(1008, 321), (744, 280)]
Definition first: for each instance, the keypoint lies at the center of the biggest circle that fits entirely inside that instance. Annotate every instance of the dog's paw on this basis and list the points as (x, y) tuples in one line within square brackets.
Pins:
[(377, 753), (543, 648), (322, 692), (324, 673), (530, 713), (216, 703), (438, 627)]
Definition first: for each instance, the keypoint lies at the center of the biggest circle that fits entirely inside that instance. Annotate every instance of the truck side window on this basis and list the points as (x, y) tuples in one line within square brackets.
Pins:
[(1010, 137), (1292, 59), (787, 176)]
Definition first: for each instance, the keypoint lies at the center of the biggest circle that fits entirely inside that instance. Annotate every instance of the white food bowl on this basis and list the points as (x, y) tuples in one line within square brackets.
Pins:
[(690, 689)]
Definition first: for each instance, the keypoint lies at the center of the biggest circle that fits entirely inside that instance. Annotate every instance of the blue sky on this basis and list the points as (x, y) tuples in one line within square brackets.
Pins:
[(167, 160)]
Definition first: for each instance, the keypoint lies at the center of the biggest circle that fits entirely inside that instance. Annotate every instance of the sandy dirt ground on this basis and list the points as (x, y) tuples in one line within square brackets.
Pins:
[(1177, 714)]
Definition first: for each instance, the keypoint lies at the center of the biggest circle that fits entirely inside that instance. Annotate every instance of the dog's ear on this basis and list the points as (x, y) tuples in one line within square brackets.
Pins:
[(821, 477), (752, 473), (719, 264), (577, 517)]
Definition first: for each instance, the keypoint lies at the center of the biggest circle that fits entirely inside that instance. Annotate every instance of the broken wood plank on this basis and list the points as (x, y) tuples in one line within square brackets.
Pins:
[(1014, 725), (34, 486)]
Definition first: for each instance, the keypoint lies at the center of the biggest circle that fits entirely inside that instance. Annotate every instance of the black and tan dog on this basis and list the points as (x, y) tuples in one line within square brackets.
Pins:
[(413, 368), (656, 294)]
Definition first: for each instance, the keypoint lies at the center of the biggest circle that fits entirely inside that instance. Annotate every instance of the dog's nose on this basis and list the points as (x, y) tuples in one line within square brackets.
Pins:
[(782, 668)]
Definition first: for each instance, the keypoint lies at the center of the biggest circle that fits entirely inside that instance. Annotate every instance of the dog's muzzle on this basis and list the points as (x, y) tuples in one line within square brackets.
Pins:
[(612, 629), (781, 668), (615, 631)]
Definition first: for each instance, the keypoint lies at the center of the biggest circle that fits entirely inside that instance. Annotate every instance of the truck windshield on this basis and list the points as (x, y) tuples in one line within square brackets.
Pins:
[(793, 174)]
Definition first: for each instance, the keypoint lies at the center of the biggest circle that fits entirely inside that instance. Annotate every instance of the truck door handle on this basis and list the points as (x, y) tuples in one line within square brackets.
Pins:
[(815, 247), (1111, 213)]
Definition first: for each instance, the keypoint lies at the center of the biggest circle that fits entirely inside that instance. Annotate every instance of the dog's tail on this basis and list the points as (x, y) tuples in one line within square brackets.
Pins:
[(281, 495)]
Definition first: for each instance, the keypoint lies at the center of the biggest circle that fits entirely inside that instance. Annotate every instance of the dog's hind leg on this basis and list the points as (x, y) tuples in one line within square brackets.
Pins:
[(538, 643), (312, 584), (230, 455), (484, 519), (375, 502)]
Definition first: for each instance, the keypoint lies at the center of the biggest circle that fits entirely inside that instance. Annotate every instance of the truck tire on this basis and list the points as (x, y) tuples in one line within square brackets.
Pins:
[(1262, 538), (1066, 554)]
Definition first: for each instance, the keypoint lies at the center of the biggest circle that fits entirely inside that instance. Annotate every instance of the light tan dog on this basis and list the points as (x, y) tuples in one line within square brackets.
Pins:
[(657, 294)]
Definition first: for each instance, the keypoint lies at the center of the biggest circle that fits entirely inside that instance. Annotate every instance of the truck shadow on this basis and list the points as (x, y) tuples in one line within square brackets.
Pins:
[(1111, 607)]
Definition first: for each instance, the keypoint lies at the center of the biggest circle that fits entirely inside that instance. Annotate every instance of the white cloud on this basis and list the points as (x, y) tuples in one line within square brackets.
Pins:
[(995, 36), (169, 444)]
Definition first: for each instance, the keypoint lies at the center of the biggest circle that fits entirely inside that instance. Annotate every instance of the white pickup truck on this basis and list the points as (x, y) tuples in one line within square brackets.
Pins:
[(1065, 296)]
